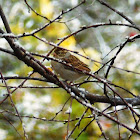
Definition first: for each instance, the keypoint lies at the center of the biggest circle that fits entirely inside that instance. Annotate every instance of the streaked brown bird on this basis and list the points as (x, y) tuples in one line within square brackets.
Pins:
[(77, 69)]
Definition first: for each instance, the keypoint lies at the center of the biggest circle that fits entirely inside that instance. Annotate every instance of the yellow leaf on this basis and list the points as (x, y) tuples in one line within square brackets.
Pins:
[(46, 8), (57, 30), (69, 43)]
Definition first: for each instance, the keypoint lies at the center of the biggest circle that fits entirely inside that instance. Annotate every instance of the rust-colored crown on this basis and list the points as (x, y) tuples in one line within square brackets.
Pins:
[(60, 52)]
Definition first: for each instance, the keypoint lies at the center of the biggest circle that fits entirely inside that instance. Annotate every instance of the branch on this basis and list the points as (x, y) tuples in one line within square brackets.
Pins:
[(113, 101), (119, 13), (5, 20), (92, 97)]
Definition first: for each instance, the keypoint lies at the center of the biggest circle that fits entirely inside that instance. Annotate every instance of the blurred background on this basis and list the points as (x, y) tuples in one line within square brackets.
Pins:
[(94, 43)]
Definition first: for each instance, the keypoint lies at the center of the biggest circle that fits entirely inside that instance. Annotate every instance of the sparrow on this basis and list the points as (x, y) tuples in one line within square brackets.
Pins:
[(69, 73)]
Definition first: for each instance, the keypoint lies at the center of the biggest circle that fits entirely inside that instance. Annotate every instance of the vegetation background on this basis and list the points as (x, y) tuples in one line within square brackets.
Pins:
[(39, 103)]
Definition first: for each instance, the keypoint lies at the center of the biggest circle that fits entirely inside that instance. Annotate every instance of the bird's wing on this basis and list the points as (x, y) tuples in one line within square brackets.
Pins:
[(76, 64)]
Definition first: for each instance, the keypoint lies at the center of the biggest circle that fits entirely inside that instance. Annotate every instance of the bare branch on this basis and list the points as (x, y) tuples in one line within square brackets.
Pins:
[(119, 13)]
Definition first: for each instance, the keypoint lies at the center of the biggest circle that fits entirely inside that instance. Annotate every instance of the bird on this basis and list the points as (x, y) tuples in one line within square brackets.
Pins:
[(74, 68)]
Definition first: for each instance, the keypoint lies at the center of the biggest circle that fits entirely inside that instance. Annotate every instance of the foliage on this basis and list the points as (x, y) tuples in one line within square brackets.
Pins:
[(38, 109)]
